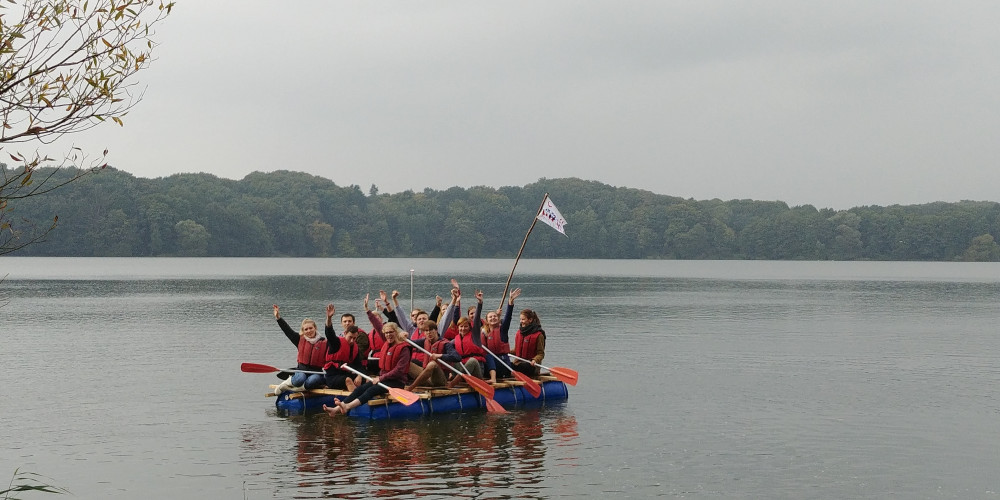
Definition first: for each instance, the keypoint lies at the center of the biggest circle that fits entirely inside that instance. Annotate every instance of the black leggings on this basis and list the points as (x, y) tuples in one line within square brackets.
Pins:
[(336, 379), (525, 368), (367, 391)]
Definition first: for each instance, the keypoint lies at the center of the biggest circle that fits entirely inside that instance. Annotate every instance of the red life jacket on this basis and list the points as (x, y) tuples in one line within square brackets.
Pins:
[(494, 343), (312, 354), (468, 349), (526, 346), (376, 342), (417, 354), (390, 356), (451, 332), (438, 347), (345, 354)]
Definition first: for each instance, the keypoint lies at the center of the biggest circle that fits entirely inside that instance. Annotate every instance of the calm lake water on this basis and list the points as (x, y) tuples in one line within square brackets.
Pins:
[(697, 380)]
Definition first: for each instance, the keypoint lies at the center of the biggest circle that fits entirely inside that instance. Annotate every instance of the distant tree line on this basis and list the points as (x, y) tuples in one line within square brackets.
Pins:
[(294, 214)]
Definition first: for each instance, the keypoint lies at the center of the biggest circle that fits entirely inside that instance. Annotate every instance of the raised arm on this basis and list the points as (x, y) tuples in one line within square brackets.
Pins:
[(438, 301), (328, 328), (477, 322), (449, 311), (508, 312), (332, 340), (292, 335), (374, 319), (401, 316)]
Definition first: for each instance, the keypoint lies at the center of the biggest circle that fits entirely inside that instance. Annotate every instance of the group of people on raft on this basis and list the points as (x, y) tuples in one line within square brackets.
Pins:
[(407, 350)]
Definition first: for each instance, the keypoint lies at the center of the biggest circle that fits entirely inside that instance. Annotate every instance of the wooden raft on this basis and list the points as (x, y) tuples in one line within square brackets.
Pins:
[(422, 392)]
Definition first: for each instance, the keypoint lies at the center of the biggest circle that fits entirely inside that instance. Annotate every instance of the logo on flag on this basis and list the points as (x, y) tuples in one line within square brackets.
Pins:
[(551, 216)]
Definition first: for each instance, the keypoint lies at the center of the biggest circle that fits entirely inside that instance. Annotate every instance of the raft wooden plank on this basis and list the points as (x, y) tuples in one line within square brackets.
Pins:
[(450, 392), (330, 392)]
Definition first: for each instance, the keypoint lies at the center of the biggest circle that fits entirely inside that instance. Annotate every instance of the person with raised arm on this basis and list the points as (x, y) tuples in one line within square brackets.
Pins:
[(394, 365), (360, 361), (529, 343), (375, 339), (414, 327), (495, 336), (340, 351), (469, 346), (311, 354)]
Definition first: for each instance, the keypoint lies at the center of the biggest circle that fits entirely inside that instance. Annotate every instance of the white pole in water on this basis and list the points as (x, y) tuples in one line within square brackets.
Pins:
[(411, 290)]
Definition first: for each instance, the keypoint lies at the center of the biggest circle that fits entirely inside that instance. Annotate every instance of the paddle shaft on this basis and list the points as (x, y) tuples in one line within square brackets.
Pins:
[(498, 359), (425, 351), (290, 370), (366, 377), (529, 361)]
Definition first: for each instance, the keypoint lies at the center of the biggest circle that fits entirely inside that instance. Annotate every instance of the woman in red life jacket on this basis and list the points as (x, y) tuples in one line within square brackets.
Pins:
[(468, 347), (495, 336), (311, 357), (339, 351), (529, 343), (394, 365)]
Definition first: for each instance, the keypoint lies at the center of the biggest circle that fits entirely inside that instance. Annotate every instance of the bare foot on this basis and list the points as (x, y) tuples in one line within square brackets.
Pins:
[(341, 406), (331, 411), (350, 385)]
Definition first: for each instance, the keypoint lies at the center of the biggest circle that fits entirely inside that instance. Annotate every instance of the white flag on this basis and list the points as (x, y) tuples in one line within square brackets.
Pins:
[(551, 216)]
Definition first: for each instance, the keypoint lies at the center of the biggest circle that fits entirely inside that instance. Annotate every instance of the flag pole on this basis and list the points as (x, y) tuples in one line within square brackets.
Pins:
[(533, 221)]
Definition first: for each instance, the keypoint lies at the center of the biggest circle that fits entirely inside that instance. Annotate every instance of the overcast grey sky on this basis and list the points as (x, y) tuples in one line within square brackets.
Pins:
[(834, 104)]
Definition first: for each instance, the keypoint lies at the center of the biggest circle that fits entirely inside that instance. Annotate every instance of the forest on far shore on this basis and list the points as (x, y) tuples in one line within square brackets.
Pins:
[(294, 214)]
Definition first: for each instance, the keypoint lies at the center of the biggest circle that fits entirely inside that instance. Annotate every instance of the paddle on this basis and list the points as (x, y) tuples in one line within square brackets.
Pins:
[(479, 385), (533, 388), (401, 395), (565, 374), (257, 368), (491, 404)]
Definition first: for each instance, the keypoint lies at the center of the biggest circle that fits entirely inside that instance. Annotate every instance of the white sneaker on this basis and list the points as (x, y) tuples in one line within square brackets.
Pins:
[(282, 387)]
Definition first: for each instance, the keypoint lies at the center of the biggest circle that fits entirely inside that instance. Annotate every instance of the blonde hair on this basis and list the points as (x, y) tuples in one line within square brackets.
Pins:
[(397, 330), (304, 323)]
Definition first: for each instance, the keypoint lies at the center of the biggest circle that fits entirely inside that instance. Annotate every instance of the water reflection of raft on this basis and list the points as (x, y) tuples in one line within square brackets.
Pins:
[(432, 401)]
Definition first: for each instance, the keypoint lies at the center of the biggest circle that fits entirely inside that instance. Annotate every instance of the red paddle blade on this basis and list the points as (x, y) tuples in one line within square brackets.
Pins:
[(565, 374), (493, 407), (257, 368), (403, 396), (479, 385), (530, 385)]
